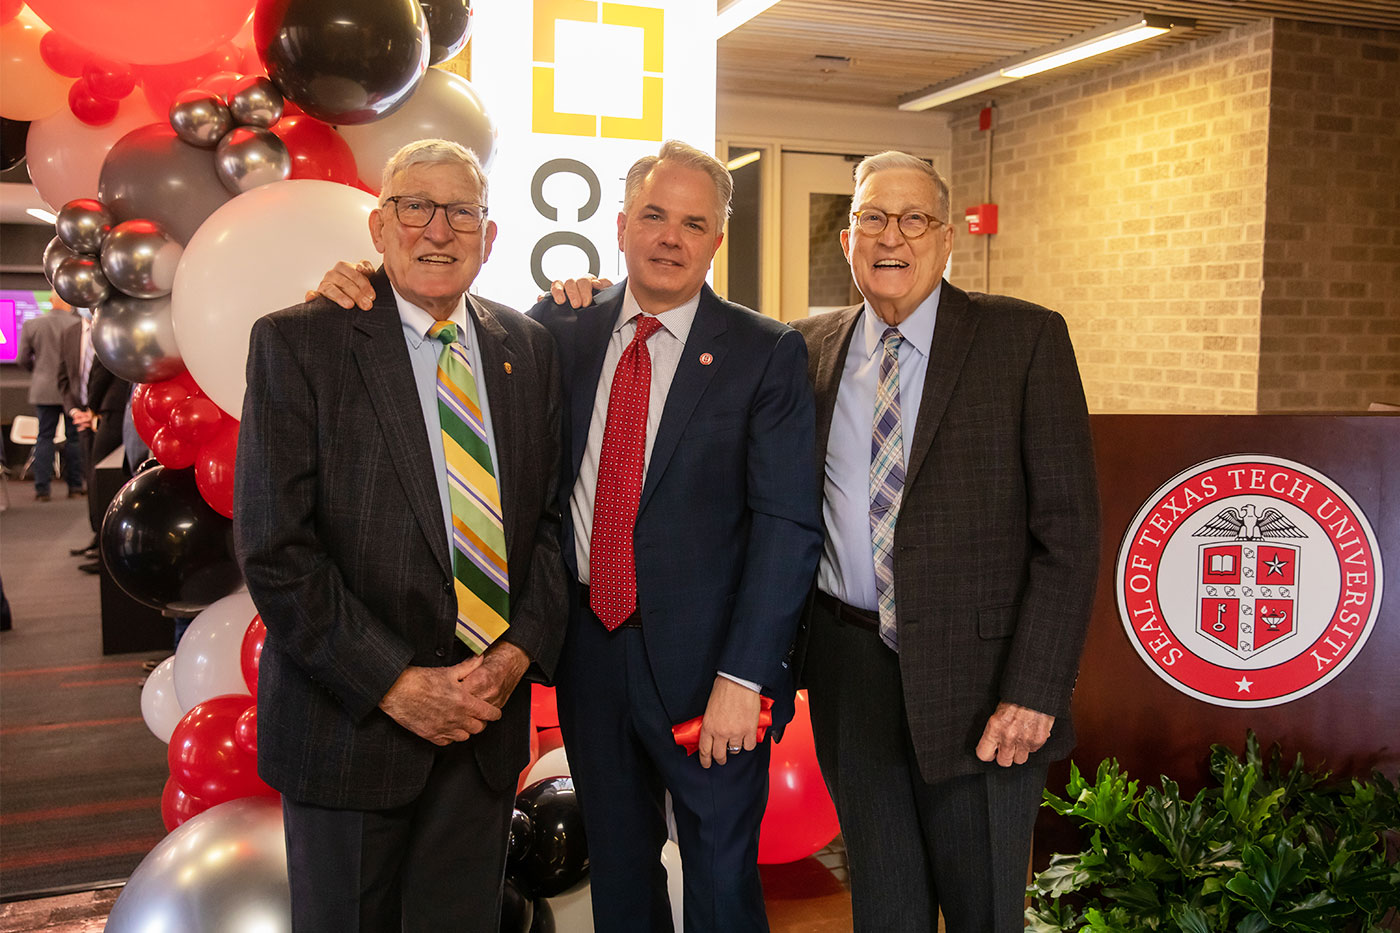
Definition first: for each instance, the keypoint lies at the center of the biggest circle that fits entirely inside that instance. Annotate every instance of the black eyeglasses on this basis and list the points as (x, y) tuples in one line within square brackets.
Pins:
[(872, 222), (462, 216)]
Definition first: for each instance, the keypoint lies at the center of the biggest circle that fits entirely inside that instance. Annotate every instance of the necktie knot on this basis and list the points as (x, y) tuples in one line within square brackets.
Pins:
[(444, 331), (891, 339), (646, 326)]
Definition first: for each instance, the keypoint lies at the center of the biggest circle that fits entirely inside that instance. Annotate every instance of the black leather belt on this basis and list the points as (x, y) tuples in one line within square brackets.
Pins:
[(632, 621), (860, 618)]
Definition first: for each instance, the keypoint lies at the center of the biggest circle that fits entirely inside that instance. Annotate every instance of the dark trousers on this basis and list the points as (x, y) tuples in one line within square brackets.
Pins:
[(97, 445), (434, 864), (913, 848), (623, 759), (48, 416)]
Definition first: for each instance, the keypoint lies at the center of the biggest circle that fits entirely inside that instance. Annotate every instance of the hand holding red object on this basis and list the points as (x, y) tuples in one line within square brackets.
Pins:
[(687, 734)]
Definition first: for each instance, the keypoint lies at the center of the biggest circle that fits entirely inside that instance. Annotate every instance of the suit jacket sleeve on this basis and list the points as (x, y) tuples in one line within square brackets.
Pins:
[(68, 381), (298, 589), (784, 540), (1063, 525)]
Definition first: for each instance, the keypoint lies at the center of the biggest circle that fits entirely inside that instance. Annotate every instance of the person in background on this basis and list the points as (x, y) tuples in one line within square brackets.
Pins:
[(40, 352)]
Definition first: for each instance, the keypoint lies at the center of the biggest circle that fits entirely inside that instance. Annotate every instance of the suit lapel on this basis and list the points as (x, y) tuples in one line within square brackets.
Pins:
[(952, 337), (382, 358), (504, 400), (691, 379)]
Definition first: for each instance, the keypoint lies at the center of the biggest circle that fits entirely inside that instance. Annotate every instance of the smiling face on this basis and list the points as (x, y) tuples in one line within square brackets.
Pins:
[(432, 266), (893, 272), (668, 235)]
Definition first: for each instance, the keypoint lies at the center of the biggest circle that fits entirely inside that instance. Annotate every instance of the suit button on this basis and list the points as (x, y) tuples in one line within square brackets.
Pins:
[(447, 587), (441, 652)]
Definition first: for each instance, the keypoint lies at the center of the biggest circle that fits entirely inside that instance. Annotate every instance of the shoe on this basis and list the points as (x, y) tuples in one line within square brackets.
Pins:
[(87, 550), (77, 493), (42, 497), (91, 567), (151, 664)]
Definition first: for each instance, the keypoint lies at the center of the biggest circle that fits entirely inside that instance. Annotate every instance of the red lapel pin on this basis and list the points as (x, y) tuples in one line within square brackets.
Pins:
[(706, 359)]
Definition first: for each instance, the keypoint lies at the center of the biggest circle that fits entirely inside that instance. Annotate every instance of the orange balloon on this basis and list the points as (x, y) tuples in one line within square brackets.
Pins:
[(29, 89)]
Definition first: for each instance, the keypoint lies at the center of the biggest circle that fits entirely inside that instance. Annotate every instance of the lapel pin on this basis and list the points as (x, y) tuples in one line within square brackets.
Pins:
[(706, 359), (507, 369)]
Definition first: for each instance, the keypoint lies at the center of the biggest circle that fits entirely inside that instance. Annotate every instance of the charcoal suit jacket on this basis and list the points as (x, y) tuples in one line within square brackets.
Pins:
[(997, 541), (342, 541)]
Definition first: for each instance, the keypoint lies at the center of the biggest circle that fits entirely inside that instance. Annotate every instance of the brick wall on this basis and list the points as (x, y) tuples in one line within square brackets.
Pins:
[(828, 274), (1330, 326)]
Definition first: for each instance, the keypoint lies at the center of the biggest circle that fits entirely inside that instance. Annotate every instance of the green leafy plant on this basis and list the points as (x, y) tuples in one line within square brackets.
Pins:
[(1269, 848)]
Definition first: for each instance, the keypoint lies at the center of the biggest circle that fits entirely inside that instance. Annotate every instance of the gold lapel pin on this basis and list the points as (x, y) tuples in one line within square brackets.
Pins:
[(507, 369)]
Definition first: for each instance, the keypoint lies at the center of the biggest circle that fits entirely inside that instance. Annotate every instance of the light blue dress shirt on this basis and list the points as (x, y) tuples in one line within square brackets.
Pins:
[(423, 354), (847, 568)]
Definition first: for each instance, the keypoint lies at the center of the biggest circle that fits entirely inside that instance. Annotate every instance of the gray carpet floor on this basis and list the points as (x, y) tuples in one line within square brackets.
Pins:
[(80, 774)]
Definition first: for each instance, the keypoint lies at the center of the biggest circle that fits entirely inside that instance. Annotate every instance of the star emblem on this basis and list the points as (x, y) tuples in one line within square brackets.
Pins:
[(1276, 565), (1244, 683)]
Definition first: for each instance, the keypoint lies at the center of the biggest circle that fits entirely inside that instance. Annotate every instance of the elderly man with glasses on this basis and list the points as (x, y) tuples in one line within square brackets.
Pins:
[(398, 526), (958, 570)]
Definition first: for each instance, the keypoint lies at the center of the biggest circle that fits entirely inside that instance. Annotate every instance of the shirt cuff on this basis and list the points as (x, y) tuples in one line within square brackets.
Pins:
[(742, 682)]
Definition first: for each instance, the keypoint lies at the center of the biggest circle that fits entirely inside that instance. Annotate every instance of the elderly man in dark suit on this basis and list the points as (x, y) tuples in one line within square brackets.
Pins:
[(957, 577), (396, 517)]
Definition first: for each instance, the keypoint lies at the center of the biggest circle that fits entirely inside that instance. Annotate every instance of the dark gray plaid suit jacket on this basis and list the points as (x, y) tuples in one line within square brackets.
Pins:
[(996, 548), (341, 538)]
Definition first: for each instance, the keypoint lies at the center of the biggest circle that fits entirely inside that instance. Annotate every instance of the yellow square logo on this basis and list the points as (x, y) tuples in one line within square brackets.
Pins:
[(603, 63)]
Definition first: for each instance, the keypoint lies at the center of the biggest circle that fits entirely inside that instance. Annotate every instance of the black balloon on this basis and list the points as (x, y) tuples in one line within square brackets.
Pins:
[(522, 836), (544, 918), (13, 136), (449, 27), (343, 61), (165, 546), (558, 855), (517, 910)]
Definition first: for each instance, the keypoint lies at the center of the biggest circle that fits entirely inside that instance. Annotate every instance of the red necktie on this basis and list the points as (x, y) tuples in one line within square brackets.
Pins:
[(612, 572)]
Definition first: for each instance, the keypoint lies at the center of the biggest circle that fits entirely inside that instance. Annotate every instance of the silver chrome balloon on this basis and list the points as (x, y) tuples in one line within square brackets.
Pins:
[(249, 156), (83, 224), (222, 871), (55, 253), (200, 118), (135, 339), (80, 282), (255, 101), (139, 259)]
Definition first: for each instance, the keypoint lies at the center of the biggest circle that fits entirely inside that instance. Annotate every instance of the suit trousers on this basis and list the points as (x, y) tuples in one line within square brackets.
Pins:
[(436, 863), (96, 446), (623, 759), (961, 845), (48, 416)]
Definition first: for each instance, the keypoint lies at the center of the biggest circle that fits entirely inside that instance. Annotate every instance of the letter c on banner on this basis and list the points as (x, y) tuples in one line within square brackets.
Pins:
[(566, 167), (561, 238)]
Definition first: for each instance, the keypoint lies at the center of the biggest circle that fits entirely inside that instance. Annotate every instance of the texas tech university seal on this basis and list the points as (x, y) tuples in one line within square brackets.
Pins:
[(1249, 580)]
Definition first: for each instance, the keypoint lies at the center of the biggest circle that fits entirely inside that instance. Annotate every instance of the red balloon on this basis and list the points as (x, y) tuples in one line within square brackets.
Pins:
[(9, 9), (245, 731), (221, 82), (317, 151), (213, 468), (162, 82), (162, 397), (206, 761), (149, 32), (63, 55), (534, 757), (109, 79), (196, 419), (544, 712), (176, 806), (146, 426), (172, 450), (251, 652), (88, 106), (800, 818)]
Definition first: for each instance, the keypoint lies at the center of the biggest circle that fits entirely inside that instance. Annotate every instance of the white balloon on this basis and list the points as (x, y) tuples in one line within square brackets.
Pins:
[(207, 663), (573, 910), (159, 705), (675, 883), (444, 106), (65, 155), (553, 763), (259, 252)]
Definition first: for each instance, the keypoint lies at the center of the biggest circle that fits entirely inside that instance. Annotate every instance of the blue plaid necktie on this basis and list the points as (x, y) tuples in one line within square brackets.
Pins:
[(886, 481)]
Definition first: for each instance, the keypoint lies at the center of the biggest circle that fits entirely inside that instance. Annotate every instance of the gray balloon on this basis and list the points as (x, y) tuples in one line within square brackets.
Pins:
[(139, 259), (200, 118), (150, 173), (83, 224), (255, 101), (55, 253), (80, 282), (135, 339), (249, 156), (222, 871)]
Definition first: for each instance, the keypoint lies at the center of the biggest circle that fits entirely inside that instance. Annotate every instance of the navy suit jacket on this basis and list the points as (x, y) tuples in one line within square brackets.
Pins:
[(728, 526)]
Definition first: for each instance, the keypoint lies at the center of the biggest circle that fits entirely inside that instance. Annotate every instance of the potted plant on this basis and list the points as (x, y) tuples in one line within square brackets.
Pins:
[(1265, 849)]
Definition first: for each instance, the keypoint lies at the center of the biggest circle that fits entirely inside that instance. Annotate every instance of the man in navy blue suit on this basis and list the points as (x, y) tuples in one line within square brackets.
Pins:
[(691, 537)]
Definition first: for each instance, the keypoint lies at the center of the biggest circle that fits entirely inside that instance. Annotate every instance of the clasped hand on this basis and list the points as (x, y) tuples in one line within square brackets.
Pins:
[(451, 704)]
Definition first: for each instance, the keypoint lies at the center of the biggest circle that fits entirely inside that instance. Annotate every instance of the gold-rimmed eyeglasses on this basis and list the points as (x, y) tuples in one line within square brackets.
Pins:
[(872, 222)]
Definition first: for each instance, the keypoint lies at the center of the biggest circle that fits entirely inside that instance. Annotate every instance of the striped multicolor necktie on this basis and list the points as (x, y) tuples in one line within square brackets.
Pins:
[(478, 536), (886, 482)]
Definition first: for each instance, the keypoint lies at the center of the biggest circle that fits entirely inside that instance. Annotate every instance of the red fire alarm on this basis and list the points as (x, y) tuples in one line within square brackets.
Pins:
[(982, 218)]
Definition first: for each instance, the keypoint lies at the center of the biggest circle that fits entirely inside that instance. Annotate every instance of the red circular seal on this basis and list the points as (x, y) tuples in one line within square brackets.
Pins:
[(1249, 580)]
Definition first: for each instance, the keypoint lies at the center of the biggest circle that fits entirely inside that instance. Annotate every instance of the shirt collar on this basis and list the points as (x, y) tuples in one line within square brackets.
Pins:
[(676, 321), (917, 328), (416, 321)]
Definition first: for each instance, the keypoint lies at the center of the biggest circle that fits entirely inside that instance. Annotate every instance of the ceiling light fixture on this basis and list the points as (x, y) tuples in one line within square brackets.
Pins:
[(747, 158), (737, 13), (38, 213), (1106, 38)]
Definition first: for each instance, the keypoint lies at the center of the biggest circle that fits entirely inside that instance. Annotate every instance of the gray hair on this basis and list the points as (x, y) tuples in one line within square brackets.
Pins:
[(432, 152), (687, 156), (894, 159)]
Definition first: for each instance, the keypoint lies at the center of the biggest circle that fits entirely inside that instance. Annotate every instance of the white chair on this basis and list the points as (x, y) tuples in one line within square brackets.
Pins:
[(24, 431)]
